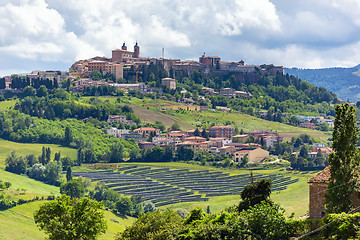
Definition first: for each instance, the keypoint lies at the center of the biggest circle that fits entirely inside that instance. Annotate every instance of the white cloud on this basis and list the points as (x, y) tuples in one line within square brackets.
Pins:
[(308, 33)]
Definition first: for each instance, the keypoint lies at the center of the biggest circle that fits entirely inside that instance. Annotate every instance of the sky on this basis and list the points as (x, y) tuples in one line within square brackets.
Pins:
[(53, 34)]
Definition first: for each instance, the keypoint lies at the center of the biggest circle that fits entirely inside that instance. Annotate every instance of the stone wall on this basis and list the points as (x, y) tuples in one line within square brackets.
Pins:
[(317, 199)]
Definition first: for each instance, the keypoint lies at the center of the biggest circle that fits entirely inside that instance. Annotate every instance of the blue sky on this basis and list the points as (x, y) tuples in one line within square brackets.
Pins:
[(52, 34)]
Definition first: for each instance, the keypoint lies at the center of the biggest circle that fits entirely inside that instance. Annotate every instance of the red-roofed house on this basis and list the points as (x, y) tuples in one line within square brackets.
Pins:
[(145, 131)]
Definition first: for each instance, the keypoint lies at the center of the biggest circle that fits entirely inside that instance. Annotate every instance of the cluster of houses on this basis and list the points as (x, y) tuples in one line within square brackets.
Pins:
[(222, 140), (309, 121)]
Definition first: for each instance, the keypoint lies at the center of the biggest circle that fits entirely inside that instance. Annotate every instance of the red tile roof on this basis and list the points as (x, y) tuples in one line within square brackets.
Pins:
[(321, 177)]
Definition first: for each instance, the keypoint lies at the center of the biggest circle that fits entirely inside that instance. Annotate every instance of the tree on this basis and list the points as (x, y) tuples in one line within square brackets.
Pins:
[(68, 136), (73, 188), (52, 172), (124, 206), (153, 225), (15, 163), (175, 126), (42, 91), (96, 75), (65, 218), (116, 153), (68, 174), (29, 92), (254, 194), (343, 161)]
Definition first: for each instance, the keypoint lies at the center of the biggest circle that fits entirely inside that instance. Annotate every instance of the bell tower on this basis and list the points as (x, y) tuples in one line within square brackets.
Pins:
[(124, 47), (136, 51)]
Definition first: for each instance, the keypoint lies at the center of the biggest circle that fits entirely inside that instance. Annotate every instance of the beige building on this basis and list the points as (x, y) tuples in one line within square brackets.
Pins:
[(254, 155), (116, 69), (169, 83), (145, 131)]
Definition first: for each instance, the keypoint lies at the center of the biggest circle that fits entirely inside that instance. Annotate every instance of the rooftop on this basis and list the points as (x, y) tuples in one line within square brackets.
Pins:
[(321, 177)]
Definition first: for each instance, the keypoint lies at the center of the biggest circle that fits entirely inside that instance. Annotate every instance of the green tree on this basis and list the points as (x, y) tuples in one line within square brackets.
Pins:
[(255, 193), (29, 92), (152, 226), (68, 174), (116, 153), (344, 161), (267, 221), (73, 188), (52, 172), (96, 75), (124, 206), (65, 218), (15, 163), (68, 136), (175, 126), (42, 91)]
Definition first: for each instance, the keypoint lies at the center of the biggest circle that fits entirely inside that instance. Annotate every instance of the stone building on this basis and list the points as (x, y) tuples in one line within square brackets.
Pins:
[(169, 83), (318, 189)]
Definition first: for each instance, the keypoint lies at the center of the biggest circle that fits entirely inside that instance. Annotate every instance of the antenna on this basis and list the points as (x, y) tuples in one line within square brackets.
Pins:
[(163, 52)]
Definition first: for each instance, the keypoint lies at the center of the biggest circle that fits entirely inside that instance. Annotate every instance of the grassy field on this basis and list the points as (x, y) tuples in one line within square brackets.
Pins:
[(22, 149), (6, 105), (18, 223)]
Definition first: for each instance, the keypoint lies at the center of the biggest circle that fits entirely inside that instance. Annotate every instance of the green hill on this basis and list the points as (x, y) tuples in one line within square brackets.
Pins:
[(148, 111), (345, 82)]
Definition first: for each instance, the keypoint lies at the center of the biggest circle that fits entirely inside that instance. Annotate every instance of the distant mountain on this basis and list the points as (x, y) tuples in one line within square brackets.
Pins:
[(345, 82)]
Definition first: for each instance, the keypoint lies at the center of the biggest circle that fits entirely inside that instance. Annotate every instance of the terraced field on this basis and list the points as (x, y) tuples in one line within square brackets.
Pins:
[(164, 186)]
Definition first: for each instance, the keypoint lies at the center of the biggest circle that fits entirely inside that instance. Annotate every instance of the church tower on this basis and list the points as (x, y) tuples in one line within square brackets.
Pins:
[(136, 51), (124, 47)]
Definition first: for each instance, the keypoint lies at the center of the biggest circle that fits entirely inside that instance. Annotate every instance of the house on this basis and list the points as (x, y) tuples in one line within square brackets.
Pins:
[(169, 83), (254, 155), (120, 119), (195, 139), (221, 131), (227, 150), (222, 140), (117, 132), (308, 125), (318, 189), (146, 131), (240, 138)]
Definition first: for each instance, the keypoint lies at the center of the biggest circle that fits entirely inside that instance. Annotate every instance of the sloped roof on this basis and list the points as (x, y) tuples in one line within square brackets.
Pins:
[(321, 177)]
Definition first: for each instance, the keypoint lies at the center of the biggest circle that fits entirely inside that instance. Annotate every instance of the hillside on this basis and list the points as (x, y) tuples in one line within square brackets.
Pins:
[(345, 82), (148, 111)]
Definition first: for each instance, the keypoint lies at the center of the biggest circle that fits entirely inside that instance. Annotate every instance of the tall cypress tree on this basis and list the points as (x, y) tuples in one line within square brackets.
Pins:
[(344, 161)]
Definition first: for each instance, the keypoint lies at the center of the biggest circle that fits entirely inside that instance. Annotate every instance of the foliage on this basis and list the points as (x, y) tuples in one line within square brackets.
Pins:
[(255, 193), (341, 226), (15, 163), (152, 226), (343, 161), (91, 142), (267, 221), (124, 206), (65, 218), (73, 188)]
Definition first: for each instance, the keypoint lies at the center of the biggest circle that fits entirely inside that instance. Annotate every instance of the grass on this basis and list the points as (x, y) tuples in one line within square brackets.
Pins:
[(23, 149), (6, 105), (18, 223), (32, 187)]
